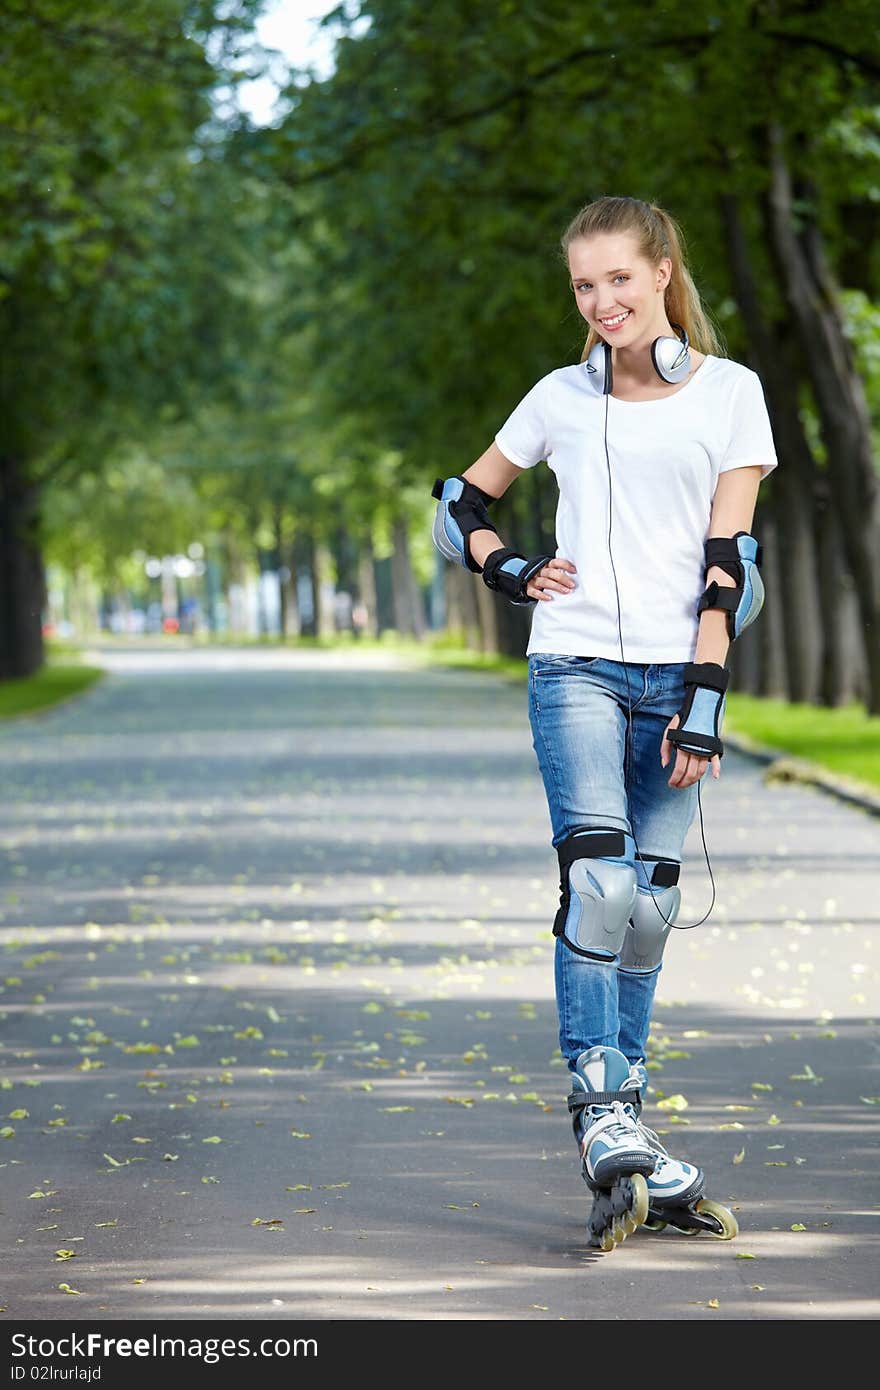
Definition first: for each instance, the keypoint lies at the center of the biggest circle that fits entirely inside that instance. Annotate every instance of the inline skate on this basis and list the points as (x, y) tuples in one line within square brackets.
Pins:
[(675, 1188), (615, 1155)]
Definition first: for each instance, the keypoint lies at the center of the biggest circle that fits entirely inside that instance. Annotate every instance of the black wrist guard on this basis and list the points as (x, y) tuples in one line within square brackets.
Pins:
[(507, 572), (699, 719)]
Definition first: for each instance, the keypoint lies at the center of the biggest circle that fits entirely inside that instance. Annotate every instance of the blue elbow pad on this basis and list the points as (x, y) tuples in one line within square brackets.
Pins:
[(740, 557), (462, 508)]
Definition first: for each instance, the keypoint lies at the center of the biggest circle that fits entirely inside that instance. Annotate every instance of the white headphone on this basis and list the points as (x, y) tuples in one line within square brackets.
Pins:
[(670, 356)]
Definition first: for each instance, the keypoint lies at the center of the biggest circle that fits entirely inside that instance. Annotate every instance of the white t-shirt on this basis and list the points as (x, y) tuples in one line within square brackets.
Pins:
[(665, 457)]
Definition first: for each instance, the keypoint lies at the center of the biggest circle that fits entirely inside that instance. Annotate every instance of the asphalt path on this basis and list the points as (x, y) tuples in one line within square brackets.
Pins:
[(279, 1039)]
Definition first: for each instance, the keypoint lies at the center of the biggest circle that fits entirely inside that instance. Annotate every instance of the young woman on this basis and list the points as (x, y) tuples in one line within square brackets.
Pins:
[(658, 444)]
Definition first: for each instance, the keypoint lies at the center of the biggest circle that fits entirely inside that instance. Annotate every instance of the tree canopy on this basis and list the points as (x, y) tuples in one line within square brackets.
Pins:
[(311, 321)]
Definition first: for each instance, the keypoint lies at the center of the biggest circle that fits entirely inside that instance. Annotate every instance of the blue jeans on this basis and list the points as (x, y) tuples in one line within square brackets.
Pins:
[(579, 713)]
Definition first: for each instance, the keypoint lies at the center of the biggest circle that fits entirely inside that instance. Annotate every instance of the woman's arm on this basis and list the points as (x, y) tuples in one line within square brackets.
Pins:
[(494, 473), (733, 509)]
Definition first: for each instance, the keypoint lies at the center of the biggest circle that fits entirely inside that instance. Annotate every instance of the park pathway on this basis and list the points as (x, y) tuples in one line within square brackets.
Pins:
[(278, 1028)]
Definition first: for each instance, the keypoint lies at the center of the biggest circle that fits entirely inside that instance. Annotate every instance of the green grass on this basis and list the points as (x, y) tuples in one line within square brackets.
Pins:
[(845, 740), (60, 678)]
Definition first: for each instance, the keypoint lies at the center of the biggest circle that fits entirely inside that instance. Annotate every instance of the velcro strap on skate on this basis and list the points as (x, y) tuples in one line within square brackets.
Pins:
[(578, 1099)]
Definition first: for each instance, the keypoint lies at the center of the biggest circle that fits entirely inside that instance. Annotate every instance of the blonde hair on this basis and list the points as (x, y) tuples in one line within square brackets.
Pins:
[(657, 235)]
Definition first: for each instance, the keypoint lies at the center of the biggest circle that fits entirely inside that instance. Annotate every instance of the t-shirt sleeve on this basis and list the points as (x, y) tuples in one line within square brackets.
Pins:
[(523, 436), (751, 437)]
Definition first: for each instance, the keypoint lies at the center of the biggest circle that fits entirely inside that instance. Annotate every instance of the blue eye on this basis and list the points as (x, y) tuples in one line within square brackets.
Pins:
[(585, 284)]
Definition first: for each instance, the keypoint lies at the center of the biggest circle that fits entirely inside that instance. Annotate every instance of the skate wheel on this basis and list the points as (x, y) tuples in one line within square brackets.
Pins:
[(654, 1223), (639, 1211), (620, 1230), (725, 1220), (627, 1224), (617, 1212)]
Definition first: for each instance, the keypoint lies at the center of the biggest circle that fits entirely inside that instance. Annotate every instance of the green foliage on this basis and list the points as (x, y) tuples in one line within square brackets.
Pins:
[(92, 521), (219, 330), (436, 170), (117, 224)]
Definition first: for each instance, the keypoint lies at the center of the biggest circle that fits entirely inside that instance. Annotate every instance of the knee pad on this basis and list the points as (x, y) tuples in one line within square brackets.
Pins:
[(658, 899), (597, 884)]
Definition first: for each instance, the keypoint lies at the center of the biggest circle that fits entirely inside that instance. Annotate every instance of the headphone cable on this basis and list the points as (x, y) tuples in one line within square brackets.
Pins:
[(628, 744)]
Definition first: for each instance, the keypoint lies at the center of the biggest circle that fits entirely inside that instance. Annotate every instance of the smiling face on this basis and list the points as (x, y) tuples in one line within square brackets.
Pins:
[(617, 291)]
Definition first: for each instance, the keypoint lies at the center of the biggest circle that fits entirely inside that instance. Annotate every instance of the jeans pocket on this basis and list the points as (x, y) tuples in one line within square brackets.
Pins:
[(550, 663)]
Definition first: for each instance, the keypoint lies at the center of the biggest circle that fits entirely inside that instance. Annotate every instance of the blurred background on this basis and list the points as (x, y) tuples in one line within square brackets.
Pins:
[(268, 269)]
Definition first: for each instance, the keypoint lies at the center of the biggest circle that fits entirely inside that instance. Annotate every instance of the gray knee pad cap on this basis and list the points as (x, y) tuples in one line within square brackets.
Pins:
[(598, 893), (654, 911), (602, 899)]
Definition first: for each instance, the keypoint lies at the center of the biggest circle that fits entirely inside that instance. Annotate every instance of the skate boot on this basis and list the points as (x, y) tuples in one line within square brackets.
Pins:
[(614, 1155), (675, 1188)]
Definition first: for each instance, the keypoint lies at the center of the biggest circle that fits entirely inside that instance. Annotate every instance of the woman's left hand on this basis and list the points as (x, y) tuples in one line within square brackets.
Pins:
[(689, 767)]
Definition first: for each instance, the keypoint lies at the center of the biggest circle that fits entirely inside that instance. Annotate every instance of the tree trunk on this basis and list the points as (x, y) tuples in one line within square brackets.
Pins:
[(854, 673), (776, 359), (22, 581), (745, 659), (345, 559), (291, 625), (409, 608), (792, 506), (772, 618), (345, 555), (839, 682), (82, 605), (830, 571), (278, 543), (367, 587), (437, 594), (384, 584), (302, 568), (488, 605), (838, 392), (322, 577), (462, 615)]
